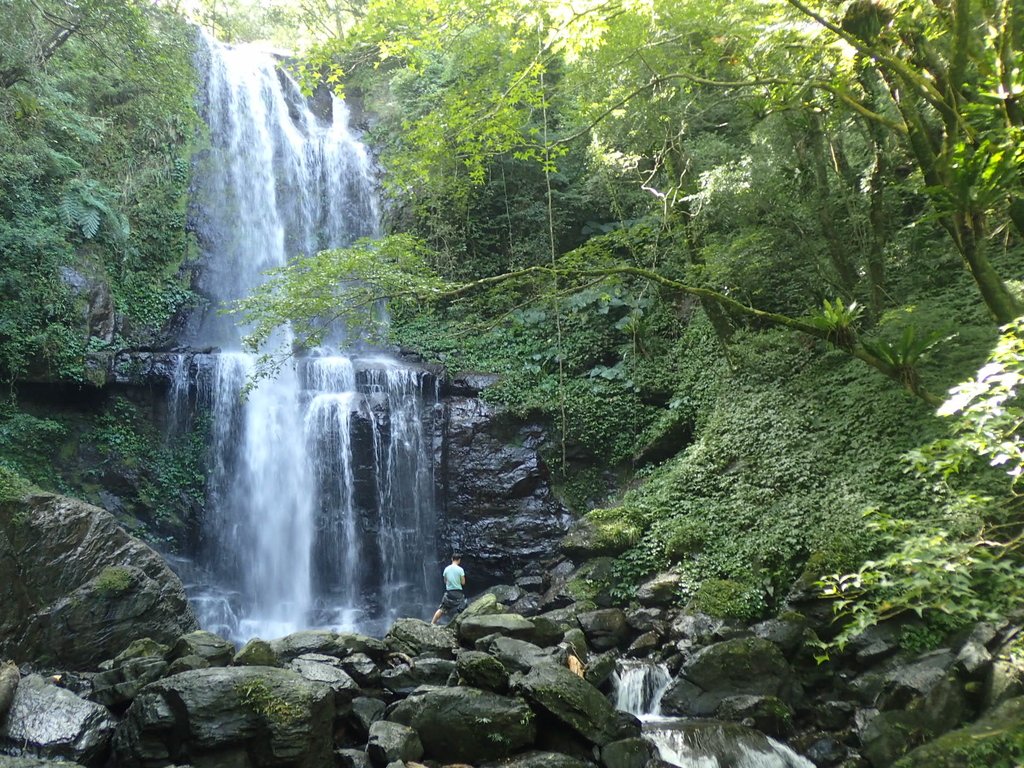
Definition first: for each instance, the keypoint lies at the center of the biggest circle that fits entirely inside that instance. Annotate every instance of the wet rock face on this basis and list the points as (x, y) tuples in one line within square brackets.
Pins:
[(499, 506), (76, 588), (249, 717), (50, 722)]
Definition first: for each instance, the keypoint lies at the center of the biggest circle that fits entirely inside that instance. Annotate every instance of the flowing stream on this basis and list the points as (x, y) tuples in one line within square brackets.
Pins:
[(320, 505), (639, 687)]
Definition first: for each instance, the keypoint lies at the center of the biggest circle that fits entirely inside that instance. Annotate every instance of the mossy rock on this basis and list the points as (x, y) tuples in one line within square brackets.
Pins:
[(602, 532), (114, 580), (996, 740), (256, 653)]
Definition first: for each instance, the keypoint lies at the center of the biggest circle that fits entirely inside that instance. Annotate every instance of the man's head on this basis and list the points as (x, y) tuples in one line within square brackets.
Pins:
[(456, 557)]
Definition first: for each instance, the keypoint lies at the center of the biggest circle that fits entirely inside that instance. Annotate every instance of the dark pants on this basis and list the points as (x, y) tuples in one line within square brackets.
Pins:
[(453, 602)]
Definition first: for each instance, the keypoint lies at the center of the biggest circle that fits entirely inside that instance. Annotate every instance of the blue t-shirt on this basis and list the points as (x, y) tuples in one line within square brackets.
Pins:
[(453, 577)]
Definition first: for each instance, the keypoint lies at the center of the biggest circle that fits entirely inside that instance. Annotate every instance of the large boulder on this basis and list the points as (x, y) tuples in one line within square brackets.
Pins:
[(389, 742), (500, 508), (321, 641), (516, 655), (481, 670), (217, 651), (508, 624), (244, 717), (571, 701), (405, 678), (50, 722), (76, 588), (741, 666), (605, 629), (467, 725), (415, 638)]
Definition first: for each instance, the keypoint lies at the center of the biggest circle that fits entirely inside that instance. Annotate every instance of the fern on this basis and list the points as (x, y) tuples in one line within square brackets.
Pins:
[(87, 205)]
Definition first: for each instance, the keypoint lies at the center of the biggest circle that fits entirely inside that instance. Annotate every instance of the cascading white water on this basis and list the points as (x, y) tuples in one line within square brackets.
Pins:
[(639, 687), (320, 507)]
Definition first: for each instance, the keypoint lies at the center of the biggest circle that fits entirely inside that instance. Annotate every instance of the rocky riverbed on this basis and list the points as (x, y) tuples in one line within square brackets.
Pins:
[(112, 672)]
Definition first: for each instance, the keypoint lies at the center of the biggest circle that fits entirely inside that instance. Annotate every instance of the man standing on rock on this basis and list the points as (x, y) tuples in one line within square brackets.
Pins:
[(454, 599)]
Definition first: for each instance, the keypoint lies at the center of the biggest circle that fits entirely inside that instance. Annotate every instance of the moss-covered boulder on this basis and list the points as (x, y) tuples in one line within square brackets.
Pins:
[(507, 624), (571, 701), (467, 725), (256, 653), (217, 651), (996, 740), (322, 641), (76, 588), (481, 670), (601, 532), (740, 666), (415, 637), (245, 717), (389, 742)]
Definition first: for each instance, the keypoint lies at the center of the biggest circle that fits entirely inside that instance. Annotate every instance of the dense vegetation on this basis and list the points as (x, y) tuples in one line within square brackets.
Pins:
[(733, 255)]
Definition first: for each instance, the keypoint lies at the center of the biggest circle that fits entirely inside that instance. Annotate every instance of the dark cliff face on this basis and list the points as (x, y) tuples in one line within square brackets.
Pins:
[(499, 509)]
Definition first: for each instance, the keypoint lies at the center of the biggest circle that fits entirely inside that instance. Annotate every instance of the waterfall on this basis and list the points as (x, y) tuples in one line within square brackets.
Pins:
[(639, 687), (320, 495)]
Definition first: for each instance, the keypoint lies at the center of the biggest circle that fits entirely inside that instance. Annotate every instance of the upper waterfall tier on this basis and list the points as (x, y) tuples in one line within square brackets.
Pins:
[(276, 181)]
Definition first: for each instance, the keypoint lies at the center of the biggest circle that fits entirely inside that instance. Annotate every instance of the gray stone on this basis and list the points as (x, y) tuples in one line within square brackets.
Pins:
[(876, 643), (643, 645), (627, 753), (31, 762), (64, 563), (659, 590), (570, 700), (605, 629), (578, 641), (517, 655), (467, 725), (405, 678), (530, 583), (415, 637), (351, 758), (318, 669), (353, 643), (144, 646), (365, 712), (121, 684), (362, 669), (701, 629), (50, 722), (889, 735), (743, 665), (507, 624), (480, 670), (240, 716), (389, 742), (216, 650), (601, 667), (256, 653), (768, 714), (647, 620), (787, 633), (187, 664), (297, 644), (1002, 683), (506, 594)]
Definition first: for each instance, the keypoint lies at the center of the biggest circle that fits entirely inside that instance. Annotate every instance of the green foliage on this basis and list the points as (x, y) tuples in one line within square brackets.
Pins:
[(729, 600), (962, 564), (12, 485), (94, 170)]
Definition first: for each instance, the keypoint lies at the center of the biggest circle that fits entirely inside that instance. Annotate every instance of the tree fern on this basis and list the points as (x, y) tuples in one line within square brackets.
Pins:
[(87, 206)]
